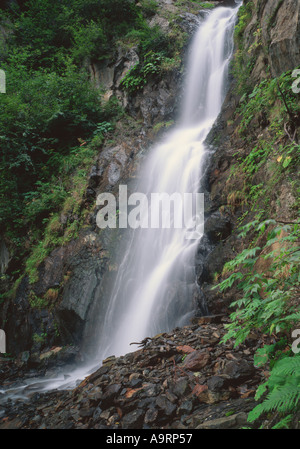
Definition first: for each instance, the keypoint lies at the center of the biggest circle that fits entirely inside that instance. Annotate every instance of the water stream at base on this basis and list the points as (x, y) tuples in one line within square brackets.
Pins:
[(155, 285)]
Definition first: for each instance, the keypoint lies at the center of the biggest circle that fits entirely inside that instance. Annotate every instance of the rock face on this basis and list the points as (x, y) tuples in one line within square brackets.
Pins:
[(156, 102), (284, 49), (4, 256), (271, 41), (72, 274), (279, 24)]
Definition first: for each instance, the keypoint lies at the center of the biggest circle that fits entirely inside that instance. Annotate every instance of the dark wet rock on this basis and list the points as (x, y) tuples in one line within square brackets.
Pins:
[(150, 390), (166, 407), (151, 415), (216, 383), (134, 383), (238, 371), (227, 422), (189, 22), (86, 411), (214, 263), (181, 387), (196, 360), (126, 394), (95, 176), (110, 393), (4, 256), (97, 413), (133, 420), (217, 227), (185, 408)]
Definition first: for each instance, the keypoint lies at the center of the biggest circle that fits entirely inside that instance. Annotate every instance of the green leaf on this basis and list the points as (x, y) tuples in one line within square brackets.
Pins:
[(287, 161)]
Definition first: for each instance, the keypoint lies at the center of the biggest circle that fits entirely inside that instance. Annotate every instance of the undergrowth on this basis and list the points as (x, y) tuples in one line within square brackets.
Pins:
[(269, 303)]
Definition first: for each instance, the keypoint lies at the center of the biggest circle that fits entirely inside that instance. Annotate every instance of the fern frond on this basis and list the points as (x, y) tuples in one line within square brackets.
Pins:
[(283, 423), (284, 399), (287, 366), (293, 317), (255, 413), (261, 390)]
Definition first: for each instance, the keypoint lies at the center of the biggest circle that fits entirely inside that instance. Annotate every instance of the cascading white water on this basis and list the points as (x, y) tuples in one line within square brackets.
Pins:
[(154, 288), (155, 283)]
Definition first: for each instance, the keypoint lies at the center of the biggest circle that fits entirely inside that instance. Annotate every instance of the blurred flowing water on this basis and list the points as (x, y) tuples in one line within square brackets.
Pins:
[(155, 286)]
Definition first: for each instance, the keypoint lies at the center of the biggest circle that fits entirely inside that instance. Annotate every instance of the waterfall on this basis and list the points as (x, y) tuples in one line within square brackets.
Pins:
[(155, 287)]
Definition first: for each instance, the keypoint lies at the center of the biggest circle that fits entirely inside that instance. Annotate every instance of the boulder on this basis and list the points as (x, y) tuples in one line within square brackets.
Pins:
[(196, 360), (226, 422)]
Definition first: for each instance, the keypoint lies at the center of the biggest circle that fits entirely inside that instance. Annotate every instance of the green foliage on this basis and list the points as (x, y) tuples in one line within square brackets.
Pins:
[(39, 338), (274, 153), (50, 30), (269, 304), (206, 5), (89, 41), (265, 302), (38, 124), (264, 98), (46, 198), (148, 7), (52, 119), (244, 15), (50, 103), (138, 76), (283, 391), (36, 302), (158, 53)]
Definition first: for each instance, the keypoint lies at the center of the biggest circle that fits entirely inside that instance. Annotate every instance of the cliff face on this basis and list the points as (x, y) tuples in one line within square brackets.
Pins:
[(278, 22), (267, 51)]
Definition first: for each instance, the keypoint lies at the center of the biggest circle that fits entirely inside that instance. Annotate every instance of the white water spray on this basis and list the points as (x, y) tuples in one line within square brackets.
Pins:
[(155, 284), (154, 290)]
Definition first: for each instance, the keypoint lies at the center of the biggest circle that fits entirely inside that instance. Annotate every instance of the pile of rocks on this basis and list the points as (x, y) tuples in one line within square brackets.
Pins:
[(186, 379)]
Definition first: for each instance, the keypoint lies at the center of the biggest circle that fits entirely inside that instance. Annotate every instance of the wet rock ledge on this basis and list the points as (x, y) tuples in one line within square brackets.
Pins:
[(185, 379)]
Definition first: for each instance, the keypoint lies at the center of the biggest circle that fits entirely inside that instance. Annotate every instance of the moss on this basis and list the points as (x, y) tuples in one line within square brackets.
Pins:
[(243, 61), (38, 254), (272, 156), (51, 295), (159, 126), (271, 19), (39, 338), (244, 17), (36, 302)]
